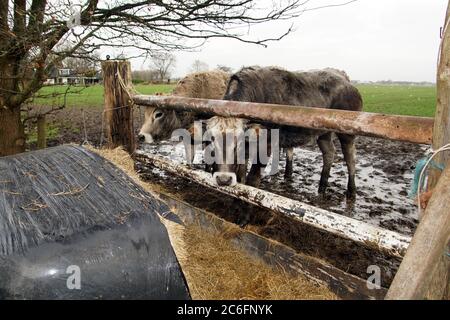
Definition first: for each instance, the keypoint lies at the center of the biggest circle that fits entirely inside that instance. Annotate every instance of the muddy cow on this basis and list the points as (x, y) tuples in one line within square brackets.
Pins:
[(160, 123), (328, 88)]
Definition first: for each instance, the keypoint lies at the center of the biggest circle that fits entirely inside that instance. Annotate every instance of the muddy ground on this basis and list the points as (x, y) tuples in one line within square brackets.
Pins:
[(384, 175), (77, 125), (384, 171)]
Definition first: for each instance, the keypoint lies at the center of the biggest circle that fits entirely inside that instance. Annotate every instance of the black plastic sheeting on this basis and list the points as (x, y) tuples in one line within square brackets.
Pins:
[(74, 226)]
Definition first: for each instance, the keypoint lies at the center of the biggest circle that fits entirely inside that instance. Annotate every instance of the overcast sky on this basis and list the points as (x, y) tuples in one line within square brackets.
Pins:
[(369, 39)]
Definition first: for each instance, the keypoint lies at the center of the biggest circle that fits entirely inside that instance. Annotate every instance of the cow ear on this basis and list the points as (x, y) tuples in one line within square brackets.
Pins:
[(191, 130), (255, 127), (198, 128), (252, 131), (232, 86)]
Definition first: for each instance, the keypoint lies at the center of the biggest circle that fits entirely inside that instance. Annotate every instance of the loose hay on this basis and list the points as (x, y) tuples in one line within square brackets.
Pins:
[(218, 270), (214, 267)]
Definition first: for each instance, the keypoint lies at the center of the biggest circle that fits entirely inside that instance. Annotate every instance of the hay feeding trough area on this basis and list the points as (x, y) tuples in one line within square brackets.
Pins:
[(327, 248)]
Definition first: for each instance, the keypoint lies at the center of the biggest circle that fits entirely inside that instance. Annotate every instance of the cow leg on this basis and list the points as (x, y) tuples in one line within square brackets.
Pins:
[(208, 167), (254, 176), (244, 213), (190, 153), (241, 173), (289, 163), (349, 152), (326, 145)]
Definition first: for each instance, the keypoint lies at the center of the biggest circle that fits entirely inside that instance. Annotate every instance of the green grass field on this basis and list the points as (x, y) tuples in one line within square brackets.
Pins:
[(396, 99), (390, 99), (87, 96)]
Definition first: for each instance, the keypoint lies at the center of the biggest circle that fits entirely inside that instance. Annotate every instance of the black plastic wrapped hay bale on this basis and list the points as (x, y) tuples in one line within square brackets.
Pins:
[(73, 226)]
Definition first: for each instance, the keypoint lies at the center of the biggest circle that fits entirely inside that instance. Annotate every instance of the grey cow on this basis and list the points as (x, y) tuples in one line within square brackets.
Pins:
[(160, 123), (328, 88)]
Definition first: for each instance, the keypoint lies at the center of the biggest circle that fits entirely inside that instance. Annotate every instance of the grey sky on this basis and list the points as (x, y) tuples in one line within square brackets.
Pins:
[(371, 40)]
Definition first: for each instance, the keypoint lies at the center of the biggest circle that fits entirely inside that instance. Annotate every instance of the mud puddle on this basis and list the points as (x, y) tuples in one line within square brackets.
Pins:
[(384, 176)]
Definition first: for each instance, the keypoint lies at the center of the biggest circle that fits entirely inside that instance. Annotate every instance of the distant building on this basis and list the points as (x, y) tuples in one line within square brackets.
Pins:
[(64, 76)]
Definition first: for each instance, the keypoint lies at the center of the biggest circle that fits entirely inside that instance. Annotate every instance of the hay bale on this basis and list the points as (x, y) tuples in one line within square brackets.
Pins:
[(123, 160), (67, 207), (203, 85)]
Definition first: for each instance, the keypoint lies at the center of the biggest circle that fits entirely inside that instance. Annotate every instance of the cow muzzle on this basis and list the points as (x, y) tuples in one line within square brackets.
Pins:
[(145, 138), (225, 179)]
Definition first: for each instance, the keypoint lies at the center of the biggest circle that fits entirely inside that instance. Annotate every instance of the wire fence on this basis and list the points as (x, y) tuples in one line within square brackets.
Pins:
[(78, 125)]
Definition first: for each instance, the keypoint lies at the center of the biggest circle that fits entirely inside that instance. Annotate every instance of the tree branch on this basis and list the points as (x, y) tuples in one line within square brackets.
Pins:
[(20, 7), (4, 7)]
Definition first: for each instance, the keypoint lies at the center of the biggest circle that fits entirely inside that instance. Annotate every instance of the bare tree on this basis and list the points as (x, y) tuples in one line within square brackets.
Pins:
[(224, 68), (199, 66), (32, 33), (86, 65), (163, 63), (145, 75)]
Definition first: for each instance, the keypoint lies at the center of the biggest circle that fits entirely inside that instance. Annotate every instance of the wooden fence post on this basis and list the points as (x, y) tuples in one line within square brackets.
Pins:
[(425, 269), (441, 130), (41, 132), (118, 104)]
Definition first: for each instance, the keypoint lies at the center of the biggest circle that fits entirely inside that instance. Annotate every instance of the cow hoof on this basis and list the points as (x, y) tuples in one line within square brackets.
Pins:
[(288, 176), (288, 173), (243, 220), (242, 224), (322, 191), (208, 168), (350, 196), (322, 197)]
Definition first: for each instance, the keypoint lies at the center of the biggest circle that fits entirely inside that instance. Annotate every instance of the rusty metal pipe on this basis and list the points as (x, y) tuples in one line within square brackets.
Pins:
[(392, 127)]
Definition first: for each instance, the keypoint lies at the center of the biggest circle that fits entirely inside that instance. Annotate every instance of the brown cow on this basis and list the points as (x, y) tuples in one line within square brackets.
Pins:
[(160, 123), (328, 88)]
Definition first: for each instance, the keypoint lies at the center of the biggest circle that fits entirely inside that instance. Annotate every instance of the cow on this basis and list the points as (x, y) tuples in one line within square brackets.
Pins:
[(160, 123), (327, 88)]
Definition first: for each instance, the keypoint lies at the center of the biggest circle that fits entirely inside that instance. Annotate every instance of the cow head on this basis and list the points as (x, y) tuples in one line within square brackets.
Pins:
[(227, 147), (158, 125)]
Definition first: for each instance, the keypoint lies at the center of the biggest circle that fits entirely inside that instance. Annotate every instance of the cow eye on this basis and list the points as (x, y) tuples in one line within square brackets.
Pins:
[(158, 115)]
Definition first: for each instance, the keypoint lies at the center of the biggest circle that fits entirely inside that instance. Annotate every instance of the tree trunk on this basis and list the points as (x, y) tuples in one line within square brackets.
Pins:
[(41, 133), (12, 135)]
